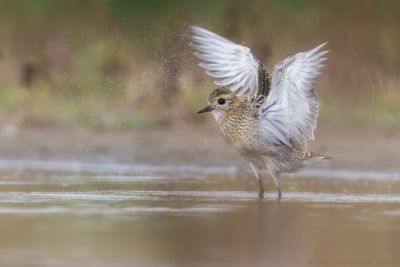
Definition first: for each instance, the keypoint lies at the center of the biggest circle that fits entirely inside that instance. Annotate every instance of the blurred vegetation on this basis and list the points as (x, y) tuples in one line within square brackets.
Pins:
[(116, 64)]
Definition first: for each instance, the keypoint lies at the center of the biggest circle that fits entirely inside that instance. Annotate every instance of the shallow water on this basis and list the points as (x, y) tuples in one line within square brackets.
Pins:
[(91, 214)]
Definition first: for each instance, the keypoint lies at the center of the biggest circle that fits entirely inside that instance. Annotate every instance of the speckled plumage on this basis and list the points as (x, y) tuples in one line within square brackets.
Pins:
[(242, 127), (267, 118)]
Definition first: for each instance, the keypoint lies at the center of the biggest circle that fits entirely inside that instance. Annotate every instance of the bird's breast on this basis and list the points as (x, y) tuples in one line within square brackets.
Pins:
[(239, 130)]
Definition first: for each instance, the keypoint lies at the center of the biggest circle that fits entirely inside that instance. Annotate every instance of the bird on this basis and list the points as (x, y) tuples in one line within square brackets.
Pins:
[(267, 118)]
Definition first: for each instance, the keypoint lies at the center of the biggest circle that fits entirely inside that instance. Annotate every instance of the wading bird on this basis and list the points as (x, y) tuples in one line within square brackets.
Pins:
[(267, 119)]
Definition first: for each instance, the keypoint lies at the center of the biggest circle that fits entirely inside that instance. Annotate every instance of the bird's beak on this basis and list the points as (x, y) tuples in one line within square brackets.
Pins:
[(206, 109)]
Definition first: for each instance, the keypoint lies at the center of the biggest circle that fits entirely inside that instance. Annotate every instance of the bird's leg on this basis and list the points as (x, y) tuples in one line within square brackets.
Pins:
[(257, 173), (277, 180)]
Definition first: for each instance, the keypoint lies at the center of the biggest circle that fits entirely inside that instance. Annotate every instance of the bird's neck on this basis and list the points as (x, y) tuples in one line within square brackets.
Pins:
[(218, 115)]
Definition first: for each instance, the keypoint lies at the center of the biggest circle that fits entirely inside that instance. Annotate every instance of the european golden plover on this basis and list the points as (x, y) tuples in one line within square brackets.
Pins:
[(267, 119)]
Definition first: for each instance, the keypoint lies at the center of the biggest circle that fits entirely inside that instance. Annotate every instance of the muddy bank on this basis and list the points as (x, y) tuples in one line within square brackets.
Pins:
[(350, 147)]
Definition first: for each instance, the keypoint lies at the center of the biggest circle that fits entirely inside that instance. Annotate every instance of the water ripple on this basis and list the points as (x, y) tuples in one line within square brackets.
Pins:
[(112, 196), (186, 170)]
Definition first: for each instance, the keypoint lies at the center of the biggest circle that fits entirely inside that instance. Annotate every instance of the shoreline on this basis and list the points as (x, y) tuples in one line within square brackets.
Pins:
[(350, 147)]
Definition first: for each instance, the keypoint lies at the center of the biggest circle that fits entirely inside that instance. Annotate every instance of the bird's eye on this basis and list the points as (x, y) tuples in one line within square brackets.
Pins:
[(221, 101)]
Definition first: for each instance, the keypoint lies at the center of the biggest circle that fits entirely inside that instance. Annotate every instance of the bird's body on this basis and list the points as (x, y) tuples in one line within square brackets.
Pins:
[(242, 127), (267, 120)]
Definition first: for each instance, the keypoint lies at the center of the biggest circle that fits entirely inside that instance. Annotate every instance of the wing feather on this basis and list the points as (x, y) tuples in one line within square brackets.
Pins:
[(291, 110), (232, 65)]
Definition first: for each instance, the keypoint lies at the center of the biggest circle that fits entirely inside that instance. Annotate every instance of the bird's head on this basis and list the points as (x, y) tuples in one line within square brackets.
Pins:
[(220, 100)]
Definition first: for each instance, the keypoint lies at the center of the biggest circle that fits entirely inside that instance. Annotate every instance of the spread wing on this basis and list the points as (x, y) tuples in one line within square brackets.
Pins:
[(232, 65), (291, 110)]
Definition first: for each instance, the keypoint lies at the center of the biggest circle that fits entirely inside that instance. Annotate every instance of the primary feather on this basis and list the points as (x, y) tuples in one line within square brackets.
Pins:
[(291, 110), (232, 65)]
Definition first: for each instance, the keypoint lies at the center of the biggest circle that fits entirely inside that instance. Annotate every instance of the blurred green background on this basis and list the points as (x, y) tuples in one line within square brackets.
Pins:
[(121, 65)]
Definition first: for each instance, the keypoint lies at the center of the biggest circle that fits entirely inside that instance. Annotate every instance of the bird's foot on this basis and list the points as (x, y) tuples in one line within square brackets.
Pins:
[(279, 194), (261, 194)]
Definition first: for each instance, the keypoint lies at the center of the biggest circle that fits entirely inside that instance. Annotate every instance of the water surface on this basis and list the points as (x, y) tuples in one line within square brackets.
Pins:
[(92, 214)]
